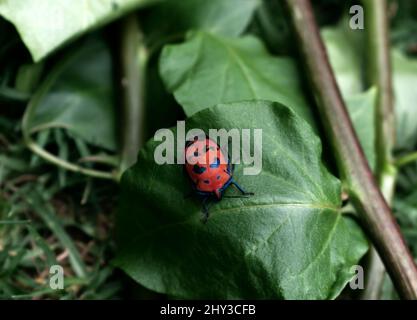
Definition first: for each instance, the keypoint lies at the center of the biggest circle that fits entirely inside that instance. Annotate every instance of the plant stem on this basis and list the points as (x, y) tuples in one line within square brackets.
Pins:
[(353, 166), (379, 74), (405, 160), (65, 164), (134, 57), (47, 156)]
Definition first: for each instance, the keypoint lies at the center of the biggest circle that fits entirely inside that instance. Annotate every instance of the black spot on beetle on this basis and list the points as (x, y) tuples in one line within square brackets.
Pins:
[(198, 170)]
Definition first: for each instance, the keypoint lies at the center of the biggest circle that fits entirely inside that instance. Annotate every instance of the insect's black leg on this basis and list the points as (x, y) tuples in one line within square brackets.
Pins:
[(241, 189), (205, 210)]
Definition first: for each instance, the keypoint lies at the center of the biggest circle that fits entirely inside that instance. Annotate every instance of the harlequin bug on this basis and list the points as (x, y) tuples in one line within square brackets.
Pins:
[(211, 173)]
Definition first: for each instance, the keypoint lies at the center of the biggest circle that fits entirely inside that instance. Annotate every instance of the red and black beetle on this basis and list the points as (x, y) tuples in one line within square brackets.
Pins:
[(211, 173)]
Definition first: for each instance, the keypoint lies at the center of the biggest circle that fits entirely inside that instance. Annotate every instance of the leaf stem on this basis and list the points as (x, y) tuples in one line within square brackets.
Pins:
[(65, 164), (353, 166), (405, 160), (133, 61), (47, 156)]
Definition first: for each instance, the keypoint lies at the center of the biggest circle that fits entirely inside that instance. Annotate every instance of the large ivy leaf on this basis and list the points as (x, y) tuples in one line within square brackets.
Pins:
[(228, 18), (45, 25), (78, 95), (208, 69), (288, 241)]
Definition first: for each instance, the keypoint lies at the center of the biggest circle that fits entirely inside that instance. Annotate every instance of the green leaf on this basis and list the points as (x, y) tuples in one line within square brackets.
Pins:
[(347, 61), (271, 25), (288, 241), (78, 95), (156, 95), (228, 18), (361, 109), (46, 25), (405, 82), (208, 69), (345, 55)]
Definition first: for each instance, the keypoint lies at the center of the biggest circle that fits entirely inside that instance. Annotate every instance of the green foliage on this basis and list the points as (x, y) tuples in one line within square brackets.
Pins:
[(9, 72), (229, 18), (42, 223), (404, 25), (289, 241), (347, 58), (77, 94), (405, 82), (46, 25), (208, 69), (270, 24), (361, 109), (344, 51), (345, 54)]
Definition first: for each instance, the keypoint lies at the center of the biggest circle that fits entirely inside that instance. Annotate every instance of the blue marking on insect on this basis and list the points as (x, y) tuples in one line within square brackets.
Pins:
[(215, 164)]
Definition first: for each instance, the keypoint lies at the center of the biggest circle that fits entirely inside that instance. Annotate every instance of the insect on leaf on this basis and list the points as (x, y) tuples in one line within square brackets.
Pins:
[(290, 240)]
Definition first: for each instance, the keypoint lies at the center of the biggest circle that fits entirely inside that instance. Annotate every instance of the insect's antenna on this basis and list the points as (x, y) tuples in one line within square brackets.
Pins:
[(206, 212)]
